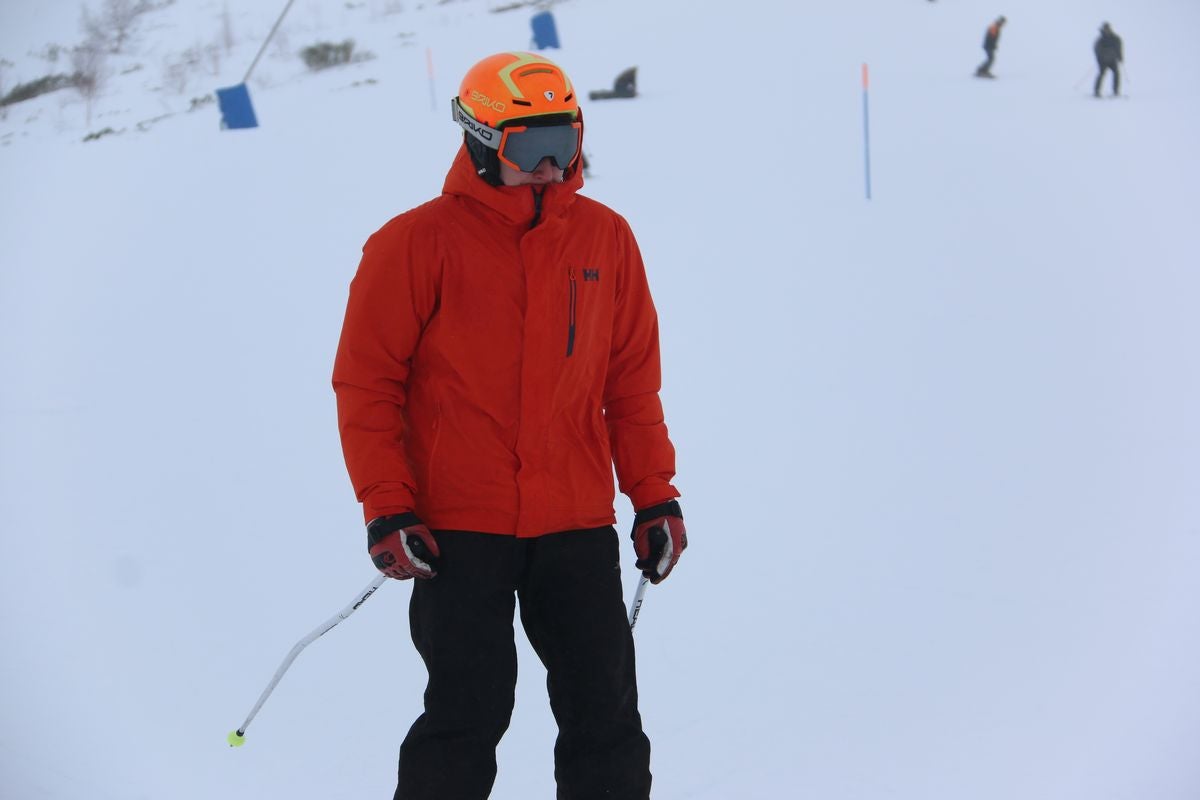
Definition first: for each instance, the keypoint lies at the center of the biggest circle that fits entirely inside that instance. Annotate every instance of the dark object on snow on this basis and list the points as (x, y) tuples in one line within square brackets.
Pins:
[(1110, 52), (324, 55), (991, 40), (236, 109), (624, 86), (44, 85), (545, 34)]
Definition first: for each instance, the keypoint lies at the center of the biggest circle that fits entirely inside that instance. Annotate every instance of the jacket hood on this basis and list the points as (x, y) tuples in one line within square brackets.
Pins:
[(514, 203)]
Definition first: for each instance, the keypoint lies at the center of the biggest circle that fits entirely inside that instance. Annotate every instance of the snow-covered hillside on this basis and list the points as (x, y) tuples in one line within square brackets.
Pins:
[(939, 451)]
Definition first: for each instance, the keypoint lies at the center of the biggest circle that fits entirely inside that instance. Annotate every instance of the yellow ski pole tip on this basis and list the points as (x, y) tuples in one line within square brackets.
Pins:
[(235, 739)]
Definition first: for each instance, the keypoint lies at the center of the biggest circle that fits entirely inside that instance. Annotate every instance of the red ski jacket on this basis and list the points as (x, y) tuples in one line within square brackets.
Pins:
[(497, 361)]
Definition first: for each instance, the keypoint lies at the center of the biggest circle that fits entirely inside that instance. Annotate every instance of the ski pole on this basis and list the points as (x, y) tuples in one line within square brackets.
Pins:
[(638, 596), (238, 738)]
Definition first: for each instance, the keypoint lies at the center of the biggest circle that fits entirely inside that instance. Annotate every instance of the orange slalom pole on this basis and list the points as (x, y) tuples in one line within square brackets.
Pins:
[(429, 68), (866, 85)]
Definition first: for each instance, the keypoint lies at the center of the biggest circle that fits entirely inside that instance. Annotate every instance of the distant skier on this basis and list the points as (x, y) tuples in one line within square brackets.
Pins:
[(990, 40), (1109, 53), (625, 85)]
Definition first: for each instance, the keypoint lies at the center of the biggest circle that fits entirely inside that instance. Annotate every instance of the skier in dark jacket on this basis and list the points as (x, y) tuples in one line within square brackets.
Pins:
[(990, 40), (1109, 53)]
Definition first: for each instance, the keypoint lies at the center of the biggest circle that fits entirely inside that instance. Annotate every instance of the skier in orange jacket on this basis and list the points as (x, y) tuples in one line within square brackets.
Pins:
[(498, 358), (991, 40)]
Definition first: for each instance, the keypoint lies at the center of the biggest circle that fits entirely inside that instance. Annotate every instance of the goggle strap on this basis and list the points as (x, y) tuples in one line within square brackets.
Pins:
[(485, 134)]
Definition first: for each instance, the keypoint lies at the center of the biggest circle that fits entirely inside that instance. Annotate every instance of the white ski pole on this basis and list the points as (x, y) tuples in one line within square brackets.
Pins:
[(638, 596), (238, 738)]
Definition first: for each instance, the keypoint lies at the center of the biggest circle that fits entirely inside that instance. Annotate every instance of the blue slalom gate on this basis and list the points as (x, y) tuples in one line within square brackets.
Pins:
[(236, 109), (545, 34)]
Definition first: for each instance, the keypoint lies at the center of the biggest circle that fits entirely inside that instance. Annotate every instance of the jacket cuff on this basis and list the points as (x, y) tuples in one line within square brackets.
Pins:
[(386, 502), (646, 495)]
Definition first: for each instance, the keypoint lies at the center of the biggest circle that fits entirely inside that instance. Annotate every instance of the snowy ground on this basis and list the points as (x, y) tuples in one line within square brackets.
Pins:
[(939, 451)]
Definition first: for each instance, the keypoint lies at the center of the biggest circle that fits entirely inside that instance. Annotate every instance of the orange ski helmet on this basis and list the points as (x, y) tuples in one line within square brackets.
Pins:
[(515, 107), (507, 86)]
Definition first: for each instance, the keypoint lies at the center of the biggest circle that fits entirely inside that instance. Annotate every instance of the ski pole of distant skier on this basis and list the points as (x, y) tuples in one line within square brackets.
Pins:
[(866, 83), (237, 738), (638, 597)]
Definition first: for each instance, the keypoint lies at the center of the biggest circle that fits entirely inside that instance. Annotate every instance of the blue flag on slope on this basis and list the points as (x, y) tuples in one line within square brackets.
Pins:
[(236, 108), (545, 34)]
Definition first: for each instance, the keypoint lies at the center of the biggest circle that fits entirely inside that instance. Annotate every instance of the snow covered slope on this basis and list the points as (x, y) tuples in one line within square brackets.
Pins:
[(939, 451)]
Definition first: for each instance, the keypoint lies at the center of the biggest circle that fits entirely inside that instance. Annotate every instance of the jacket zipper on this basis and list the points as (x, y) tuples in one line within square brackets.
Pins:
[(537, 207), (571, 315)]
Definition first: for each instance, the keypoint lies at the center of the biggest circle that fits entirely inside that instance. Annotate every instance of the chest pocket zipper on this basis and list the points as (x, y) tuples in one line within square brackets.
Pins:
[(571, 315)]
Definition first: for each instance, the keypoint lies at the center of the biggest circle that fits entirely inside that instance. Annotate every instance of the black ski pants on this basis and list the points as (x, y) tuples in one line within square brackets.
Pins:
[(569, 587), (1105, 66), (986, 67)]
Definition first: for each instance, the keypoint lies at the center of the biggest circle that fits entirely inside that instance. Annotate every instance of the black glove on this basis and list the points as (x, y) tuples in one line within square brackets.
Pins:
[(402, 547), (659, 538)]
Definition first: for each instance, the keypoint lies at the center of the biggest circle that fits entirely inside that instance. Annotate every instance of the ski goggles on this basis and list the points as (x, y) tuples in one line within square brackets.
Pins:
[(523, 147)]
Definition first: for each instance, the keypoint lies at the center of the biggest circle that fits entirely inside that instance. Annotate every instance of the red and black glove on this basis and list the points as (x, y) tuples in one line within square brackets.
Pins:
[(659, 538), (402, 547)]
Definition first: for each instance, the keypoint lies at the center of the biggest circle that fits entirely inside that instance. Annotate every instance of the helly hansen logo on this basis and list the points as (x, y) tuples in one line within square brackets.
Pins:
[(591, 274)]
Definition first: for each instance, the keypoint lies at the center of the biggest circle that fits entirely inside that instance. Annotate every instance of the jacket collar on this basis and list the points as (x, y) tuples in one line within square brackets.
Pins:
[(513, 203)]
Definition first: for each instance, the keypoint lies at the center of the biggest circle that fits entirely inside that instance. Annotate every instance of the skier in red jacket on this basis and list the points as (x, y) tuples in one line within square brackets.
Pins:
[(499, 357)]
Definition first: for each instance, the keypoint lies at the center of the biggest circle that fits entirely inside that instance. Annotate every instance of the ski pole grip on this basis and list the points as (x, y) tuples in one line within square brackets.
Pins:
[(657, 537)]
